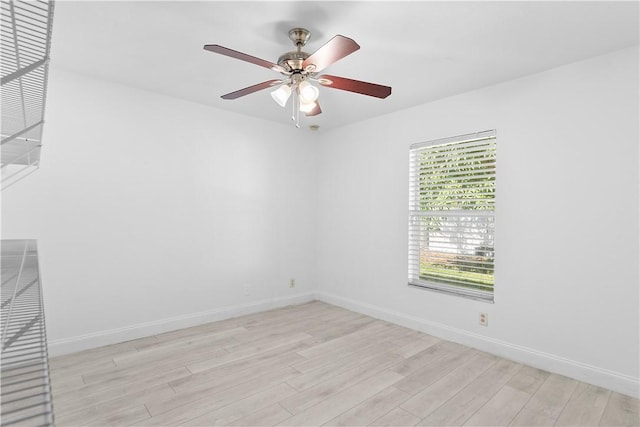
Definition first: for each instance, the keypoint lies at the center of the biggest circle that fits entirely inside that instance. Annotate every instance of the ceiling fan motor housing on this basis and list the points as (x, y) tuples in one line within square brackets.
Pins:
[(293, 60)]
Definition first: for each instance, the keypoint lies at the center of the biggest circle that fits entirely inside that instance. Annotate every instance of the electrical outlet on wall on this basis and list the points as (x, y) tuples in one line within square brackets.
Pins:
[(483, 319), (247, 289), (292, 283)]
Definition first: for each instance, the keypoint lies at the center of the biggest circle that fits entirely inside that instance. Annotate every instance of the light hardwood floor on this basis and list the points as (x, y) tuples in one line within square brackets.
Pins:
[(316, 364)]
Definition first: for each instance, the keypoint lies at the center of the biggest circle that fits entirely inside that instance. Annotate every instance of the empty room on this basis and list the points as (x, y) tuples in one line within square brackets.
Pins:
[(306, 213)]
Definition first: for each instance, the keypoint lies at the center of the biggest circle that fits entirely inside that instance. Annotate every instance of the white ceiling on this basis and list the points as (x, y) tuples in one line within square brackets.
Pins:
[(424, 50)]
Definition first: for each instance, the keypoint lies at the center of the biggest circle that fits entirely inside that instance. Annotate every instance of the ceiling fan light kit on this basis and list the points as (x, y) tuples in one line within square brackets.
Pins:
[(281, 95), (299, 69), (307, 107), (308, 93)]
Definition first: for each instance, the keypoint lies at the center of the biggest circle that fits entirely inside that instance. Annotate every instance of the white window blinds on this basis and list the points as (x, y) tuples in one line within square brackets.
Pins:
[(451, 214)]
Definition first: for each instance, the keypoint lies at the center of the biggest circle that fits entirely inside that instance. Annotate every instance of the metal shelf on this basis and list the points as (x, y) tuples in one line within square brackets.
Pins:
[(25, 44), (24, 362)]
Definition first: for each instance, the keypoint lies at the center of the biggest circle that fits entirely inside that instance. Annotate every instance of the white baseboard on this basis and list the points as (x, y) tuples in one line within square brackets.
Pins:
[(114, 336), (615, 381)]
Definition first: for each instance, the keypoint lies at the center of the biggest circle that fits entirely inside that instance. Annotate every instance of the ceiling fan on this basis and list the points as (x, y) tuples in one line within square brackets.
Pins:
[(300, 70)]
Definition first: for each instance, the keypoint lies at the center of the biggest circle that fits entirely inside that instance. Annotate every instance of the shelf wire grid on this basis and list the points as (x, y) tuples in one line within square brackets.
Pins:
[(25, 393), (25, 43)]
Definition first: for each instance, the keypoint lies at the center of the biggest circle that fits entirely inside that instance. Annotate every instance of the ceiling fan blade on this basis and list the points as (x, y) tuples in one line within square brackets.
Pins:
[(243, 57), (251, 89), (333, 50), (356, 86), (316, 110)]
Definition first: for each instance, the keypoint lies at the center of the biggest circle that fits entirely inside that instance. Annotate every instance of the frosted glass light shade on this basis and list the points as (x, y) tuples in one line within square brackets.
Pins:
[(308, 92), (281, 95), (307, 107)]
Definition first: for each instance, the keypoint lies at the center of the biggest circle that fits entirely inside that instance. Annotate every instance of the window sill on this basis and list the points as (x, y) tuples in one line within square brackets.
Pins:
[(430, 286)]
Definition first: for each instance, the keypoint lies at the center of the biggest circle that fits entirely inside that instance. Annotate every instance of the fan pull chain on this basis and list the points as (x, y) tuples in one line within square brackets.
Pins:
[(295, 112)]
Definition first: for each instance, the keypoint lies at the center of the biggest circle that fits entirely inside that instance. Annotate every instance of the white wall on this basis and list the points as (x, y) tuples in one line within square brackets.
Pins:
[(153, 213), (566, 293)]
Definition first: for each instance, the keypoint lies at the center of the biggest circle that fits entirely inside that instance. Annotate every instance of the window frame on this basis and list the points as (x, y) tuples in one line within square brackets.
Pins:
[(417, 214)]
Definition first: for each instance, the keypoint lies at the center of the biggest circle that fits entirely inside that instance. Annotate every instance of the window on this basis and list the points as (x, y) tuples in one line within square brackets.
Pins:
[(451, 214)]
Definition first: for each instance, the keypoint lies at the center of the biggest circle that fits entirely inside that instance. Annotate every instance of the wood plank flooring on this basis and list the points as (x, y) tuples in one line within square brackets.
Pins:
[(316, 364)]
